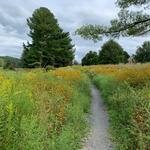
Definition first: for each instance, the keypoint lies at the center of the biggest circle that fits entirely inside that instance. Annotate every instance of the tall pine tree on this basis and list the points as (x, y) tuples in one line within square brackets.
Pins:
[(50, 45)]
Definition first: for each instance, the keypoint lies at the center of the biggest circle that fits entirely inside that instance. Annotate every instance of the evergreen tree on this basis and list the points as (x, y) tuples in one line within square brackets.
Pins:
[(111, 53), (91, 58), (50, 45), (143, 53)]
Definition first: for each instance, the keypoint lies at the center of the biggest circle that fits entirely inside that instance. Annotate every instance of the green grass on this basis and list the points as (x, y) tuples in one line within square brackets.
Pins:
[(41, 112), (128, 111)]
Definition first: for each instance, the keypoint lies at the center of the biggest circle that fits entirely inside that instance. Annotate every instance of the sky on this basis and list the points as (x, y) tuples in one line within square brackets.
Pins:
[(71, 14)]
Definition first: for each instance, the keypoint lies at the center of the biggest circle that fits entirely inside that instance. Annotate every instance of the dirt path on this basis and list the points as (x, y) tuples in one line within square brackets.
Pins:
[(98, 138)]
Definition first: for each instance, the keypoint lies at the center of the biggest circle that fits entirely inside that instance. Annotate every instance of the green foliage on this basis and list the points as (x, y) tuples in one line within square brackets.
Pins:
[(50, 45), (8, 65), (73, 132), (29, 116), (91, 32), (14, 61), (143, 53), (111, 53), (127, 3), (128, 22), (49, 68), (126, 57), (1, 62), (91, 58), (129, 113), (13, 107)]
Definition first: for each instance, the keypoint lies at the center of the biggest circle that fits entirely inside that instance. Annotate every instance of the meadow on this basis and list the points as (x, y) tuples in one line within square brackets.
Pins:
[(42, 110), (125, 89)]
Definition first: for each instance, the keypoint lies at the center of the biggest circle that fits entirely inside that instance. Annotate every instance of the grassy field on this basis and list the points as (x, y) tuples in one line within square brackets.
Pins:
[(126, 93), (42, 110)]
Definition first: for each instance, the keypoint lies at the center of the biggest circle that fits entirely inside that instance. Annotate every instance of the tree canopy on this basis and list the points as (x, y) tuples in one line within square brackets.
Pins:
[(111, 53), (91, 58), (126, 56), (143, 53), (50, 45), (128, 23)]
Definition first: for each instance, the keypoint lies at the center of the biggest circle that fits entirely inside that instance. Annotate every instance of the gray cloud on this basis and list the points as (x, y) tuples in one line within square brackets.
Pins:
[(70, 14)]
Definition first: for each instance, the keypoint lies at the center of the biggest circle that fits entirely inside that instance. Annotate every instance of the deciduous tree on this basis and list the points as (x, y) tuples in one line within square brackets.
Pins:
[(91, 58), (143, 53), (111, 53)]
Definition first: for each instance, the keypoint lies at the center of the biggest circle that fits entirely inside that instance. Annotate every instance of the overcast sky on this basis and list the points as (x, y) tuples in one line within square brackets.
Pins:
[(71, 14)]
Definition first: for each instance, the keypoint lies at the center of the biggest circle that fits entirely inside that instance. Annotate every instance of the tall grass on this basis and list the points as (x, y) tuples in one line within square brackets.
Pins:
[(129, 111), (43, 111)]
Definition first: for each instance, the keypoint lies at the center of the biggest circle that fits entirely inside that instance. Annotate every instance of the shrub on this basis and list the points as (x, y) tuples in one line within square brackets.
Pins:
[(8, 65), (47, 68)]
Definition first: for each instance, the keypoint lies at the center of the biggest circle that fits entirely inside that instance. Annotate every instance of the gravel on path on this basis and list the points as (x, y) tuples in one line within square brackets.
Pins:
[(98, 138)]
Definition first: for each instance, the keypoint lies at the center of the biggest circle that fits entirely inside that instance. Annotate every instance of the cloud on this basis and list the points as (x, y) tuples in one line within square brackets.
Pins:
[(70, 14)]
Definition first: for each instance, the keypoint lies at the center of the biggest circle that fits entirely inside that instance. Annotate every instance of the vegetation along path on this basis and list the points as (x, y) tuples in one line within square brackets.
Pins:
[(99, 137)]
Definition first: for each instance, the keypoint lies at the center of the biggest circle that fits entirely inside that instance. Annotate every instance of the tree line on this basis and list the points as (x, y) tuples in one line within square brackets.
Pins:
[(7, 62), (112, 53), (129, 22), (51, 46)]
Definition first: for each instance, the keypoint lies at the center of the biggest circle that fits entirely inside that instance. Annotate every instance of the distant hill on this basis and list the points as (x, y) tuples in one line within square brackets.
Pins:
[(15, 61)]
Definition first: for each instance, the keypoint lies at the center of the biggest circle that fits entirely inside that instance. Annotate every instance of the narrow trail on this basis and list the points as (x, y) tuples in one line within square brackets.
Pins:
[(99, 137)]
